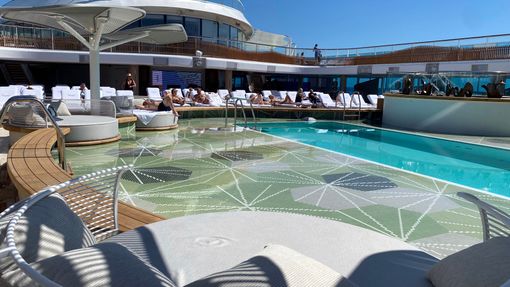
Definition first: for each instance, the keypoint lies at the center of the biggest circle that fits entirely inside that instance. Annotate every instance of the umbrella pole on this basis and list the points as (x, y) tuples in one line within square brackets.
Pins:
[(95, 76)]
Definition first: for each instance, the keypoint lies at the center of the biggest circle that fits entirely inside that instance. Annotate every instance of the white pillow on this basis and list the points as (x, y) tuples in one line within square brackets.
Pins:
[(276, 266), (486, 264)]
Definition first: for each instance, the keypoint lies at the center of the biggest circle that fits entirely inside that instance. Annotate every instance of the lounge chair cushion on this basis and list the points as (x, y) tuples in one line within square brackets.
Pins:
[(61, 108), (104, 264), (484, 264), (24, 115), (276, 265), (47, 229)]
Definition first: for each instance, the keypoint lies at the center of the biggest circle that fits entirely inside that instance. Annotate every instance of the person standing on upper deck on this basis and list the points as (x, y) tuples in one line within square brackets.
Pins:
[(318, 54)]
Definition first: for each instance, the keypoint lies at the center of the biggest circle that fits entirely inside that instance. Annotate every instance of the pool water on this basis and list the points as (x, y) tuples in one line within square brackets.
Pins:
[(480, 167)]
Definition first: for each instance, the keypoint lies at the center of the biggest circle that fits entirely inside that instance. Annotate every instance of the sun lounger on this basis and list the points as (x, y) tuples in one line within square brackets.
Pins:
[(373, 99), (74, 102), (215, 100), (326, 100), (5, 94), (223, 93), (126, 93), (60, 92), (266, 95), (108, 92), (154, 94), (33, 92), (359, 102), (344, 100)]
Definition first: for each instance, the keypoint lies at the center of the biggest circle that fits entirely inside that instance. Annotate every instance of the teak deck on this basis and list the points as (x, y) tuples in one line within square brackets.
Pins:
[(31, 168)]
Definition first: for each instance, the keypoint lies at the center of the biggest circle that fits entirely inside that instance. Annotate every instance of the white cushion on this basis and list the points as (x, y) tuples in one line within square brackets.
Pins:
[(24, 115), (223, 93), (60, 108), (485, 264), (275, 266), (126, 93), (47, 228), (104, 264)]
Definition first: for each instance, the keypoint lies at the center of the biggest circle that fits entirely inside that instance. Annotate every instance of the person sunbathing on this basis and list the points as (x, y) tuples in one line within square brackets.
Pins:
[(166, 105), (176, 99), (201, 98), (258, 99), (274, 101)]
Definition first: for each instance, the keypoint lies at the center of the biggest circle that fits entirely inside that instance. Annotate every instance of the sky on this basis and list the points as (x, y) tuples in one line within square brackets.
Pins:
[(357, 23)]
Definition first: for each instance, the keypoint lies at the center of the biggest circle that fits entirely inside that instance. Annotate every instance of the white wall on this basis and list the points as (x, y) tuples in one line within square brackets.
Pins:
[(463, 117)]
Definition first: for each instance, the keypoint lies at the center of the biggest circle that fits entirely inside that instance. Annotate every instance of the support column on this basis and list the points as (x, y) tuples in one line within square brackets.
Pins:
[(228, 80), (95, 82)]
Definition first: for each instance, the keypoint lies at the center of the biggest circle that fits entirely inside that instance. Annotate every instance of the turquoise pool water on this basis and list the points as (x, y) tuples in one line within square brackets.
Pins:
[(475, 166)]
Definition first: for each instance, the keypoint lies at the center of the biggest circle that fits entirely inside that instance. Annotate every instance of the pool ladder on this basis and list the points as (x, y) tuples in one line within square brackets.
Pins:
[(238, 102), (348, 112)]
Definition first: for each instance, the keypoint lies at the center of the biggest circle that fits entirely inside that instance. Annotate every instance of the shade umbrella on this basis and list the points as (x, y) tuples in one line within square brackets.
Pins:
[(90, 24)]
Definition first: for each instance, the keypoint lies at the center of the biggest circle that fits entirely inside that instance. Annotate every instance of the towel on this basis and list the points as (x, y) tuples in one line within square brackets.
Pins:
[(146, 116)]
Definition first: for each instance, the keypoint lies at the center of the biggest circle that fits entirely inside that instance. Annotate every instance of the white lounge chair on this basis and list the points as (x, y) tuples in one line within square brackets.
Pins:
[(18, 89), (326, 100), (223, 93), (60, 92), (215, 100), (266, 94), (5, 94), (359, 102), (74, 102), (108, 92), (373, 99), (33, 92), (344, 100), (126, 93), (154, 94)]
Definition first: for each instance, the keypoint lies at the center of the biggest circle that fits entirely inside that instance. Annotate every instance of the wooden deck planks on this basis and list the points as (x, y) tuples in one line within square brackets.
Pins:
[(31, 168)]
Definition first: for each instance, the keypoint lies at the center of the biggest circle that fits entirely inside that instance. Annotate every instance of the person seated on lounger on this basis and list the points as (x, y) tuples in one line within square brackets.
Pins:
[(189, 95), (176, 99), (313, 97), (258, 99), (201, 98), (274, 101), (166, 105), (301, 96)]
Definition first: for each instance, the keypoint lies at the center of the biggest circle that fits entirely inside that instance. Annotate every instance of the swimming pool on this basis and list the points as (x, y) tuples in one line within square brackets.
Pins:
[(480, 167)]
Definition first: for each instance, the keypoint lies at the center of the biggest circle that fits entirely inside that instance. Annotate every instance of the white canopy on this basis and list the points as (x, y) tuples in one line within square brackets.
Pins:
[(84, 19), (158, 34), (89, 22)]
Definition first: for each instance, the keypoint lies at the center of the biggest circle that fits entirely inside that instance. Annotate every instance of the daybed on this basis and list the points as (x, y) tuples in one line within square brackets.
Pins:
[(155, 121), (56, 237)]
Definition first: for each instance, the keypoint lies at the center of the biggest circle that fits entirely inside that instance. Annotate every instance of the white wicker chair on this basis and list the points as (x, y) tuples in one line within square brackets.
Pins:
[(93, 198)]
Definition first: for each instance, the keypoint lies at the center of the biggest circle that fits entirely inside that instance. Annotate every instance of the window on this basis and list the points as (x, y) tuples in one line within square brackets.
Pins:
[(174, 19), (209, 29), (224, 33), (135, 24), (192, 26), (153, 19)]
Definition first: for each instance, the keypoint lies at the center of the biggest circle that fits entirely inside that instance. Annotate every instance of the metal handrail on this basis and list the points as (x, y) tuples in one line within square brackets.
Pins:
[(19, 32), (61, 141)]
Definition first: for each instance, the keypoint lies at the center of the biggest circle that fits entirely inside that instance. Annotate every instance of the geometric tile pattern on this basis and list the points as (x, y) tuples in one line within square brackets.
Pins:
[(157, 174), (237, 155), (359, 181), (193, 171)]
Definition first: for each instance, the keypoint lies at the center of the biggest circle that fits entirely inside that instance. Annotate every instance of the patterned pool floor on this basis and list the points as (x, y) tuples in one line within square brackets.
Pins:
[(200, 169)]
